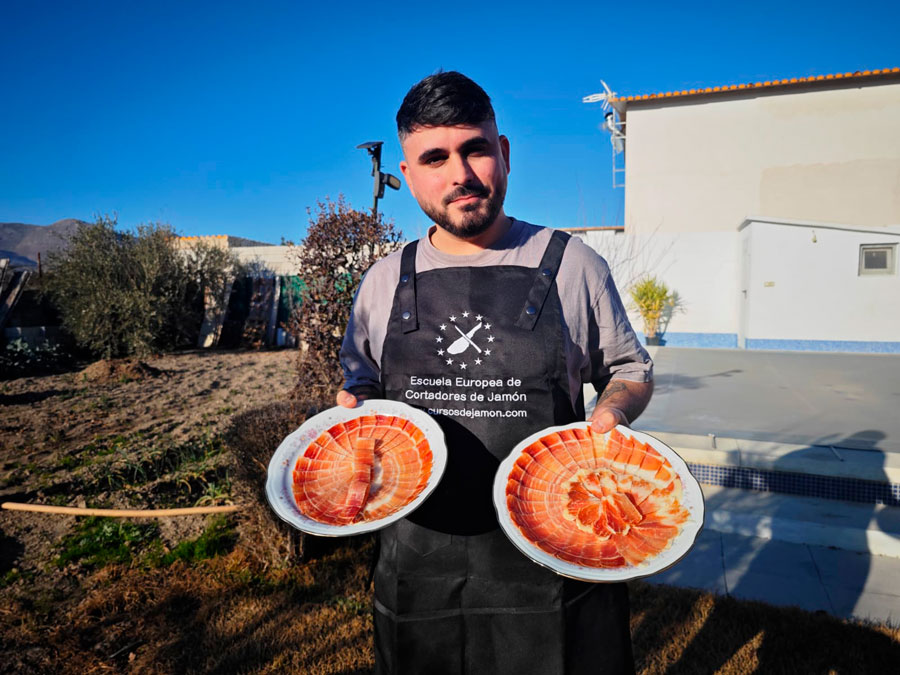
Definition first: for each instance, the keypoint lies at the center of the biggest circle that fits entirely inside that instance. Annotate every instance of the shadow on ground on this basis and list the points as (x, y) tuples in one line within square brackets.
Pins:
[(677, 381), (819, 579)]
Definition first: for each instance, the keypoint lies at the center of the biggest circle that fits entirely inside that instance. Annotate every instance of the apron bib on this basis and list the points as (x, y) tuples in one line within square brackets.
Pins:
[(481, 349)]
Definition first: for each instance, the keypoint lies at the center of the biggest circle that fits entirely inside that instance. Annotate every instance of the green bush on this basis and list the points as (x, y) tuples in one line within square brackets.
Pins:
[(18, 358), (134, 292)]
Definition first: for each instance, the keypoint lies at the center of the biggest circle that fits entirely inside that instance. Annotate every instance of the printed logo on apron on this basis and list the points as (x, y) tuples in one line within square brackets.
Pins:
[(463, 346)]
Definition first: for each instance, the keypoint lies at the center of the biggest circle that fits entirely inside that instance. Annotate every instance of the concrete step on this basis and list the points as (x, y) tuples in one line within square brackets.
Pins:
[(815, 578), (811, 459), (817, 554), (852, 526), (815, 460)]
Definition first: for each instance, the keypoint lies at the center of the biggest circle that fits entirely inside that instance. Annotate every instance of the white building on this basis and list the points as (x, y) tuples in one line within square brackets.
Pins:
[(772, 208), (264, 260)]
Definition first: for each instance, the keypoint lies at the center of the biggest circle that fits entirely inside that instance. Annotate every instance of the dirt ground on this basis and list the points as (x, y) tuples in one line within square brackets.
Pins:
[(81, 595), (109, 434)]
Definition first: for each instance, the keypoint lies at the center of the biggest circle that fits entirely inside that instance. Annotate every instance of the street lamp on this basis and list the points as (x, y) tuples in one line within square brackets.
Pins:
[(381, 179)]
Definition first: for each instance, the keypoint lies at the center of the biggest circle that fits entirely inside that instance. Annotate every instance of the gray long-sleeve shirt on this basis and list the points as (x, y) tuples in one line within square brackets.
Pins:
[(600, 344)]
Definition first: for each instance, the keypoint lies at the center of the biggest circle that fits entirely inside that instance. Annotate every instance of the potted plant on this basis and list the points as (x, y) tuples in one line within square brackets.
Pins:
[(653, 301)]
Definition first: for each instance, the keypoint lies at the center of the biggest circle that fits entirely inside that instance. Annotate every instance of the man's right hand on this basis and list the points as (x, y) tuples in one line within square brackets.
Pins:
[(347, 400)]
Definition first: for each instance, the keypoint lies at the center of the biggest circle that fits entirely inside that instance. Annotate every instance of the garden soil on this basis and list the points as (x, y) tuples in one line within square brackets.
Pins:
[(59, 433)]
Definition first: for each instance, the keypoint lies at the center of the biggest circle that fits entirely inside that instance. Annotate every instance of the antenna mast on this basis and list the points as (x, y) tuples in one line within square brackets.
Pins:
[(615, 126)]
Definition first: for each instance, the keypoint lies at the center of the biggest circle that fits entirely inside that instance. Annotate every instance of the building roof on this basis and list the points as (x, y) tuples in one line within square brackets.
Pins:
[(769, 84)]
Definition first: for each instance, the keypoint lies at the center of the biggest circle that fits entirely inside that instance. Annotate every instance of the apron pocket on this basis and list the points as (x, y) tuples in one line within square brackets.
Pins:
[(515, 643), (419, 570), (417, 646)]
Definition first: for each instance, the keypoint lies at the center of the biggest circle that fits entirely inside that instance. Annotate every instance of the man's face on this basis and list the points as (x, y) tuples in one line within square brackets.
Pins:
[(458, 175)]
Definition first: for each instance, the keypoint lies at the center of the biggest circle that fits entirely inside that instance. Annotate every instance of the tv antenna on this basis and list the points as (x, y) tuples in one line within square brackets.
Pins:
[(601, 97), (381, 179), (615, 126)]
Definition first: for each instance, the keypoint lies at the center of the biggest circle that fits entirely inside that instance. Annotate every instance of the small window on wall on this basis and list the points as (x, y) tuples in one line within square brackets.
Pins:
[(878, 259)]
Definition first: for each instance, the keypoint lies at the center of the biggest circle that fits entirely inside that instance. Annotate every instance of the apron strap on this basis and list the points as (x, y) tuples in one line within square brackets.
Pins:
[(543, 280), (406, 289)]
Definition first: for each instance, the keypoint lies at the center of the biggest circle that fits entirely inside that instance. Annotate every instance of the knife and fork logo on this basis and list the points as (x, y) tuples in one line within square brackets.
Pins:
[(465, 339)]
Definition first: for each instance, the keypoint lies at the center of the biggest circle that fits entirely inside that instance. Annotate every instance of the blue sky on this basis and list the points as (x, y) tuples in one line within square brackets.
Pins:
[(232, 118)]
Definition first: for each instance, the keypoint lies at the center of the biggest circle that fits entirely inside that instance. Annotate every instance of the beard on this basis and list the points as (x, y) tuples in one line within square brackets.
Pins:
[(474, 218)]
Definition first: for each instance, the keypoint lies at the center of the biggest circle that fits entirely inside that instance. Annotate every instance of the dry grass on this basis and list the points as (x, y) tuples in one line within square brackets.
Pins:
[(218, 617), (314, 617)]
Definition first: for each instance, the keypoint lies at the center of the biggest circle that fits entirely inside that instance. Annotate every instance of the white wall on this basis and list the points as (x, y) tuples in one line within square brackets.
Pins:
[(706, 163), (804, 284), (701, 267), (697, 167), (276, 259), (797, 288)]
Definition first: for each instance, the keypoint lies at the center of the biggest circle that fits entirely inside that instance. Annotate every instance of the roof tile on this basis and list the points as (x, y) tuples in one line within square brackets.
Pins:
[(756, 85)]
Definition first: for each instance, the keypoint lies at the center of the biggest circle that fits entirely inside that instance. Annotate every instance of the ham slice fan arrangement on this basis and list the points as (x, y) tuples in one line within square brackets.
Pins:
[(363, 469), (601, 501)]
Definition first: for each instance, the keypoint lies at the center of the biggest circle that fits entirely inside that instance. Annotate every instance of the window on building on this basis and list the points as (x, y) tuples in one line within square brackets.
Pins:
[(878, 259)]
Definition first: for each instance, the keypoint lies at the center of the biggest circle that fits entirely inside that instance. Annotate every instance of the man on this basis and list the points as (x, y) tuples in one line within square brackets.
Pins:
[(492, 325)]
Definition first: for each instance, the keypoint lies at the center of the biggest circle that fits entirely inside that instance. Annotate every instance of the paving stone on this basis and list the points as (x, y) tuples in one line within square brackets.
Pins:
[(701, 568), (858, 572), (803, 592), (867, 606)]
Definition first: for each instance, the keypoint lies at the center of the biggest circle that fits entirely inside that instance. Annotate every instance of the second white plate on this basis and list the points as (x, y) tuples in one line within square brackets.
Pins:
[(680, 546)]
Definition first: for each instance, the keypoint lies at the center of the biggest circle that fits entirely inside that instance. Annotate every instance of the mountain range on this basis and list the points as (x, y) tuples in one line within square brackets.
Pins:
[(21, 243)]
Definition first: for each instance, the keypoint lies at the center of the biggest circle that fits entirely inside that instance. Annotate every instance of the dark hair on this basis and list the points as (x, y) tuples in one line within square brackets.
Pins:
[(443, 100)]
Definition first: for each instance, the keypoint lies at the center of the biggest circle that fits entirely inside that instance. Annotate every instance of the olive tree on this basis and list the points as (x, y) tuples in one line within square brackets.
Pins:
[(134, 292)]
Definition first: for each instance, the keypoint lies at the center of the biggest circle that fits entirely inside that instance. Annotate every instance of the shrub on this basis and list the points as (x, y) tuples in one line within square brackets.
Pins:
[(652, 299), (340, 245), (134, 292), (18, 359)]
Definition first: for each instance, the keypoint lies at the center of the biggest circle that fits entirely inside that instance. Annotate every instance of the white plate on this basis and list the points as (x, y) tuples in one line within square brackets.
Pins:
[(279, 486), (693, 501)]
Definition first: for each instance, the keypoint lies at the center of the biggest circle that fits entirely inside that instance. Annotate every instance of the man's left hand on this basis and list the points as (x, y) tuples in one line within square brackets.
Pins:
[(620, 402), (605, 418)]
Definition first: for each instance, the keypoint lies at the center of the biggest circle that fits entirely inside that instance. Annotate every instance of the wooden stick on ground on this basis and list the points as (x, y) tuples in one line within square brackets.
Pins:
[(118, 513)]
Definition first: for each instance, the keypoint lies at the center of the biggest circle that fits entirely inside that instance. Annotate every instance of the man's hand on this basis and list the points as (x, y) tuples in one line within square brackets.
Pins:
[(605, 418), (620, 403), (347, 400)]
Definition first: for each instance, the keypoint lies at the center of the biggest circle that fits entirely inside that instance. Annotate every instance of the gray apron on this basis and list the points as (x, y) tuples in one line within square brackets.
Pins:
[(482, 350)]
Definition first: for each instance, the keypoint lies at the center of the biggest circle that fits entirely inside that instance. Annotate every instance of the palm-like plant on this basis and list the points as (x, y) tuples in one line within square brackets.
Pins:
[(651, 298)]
